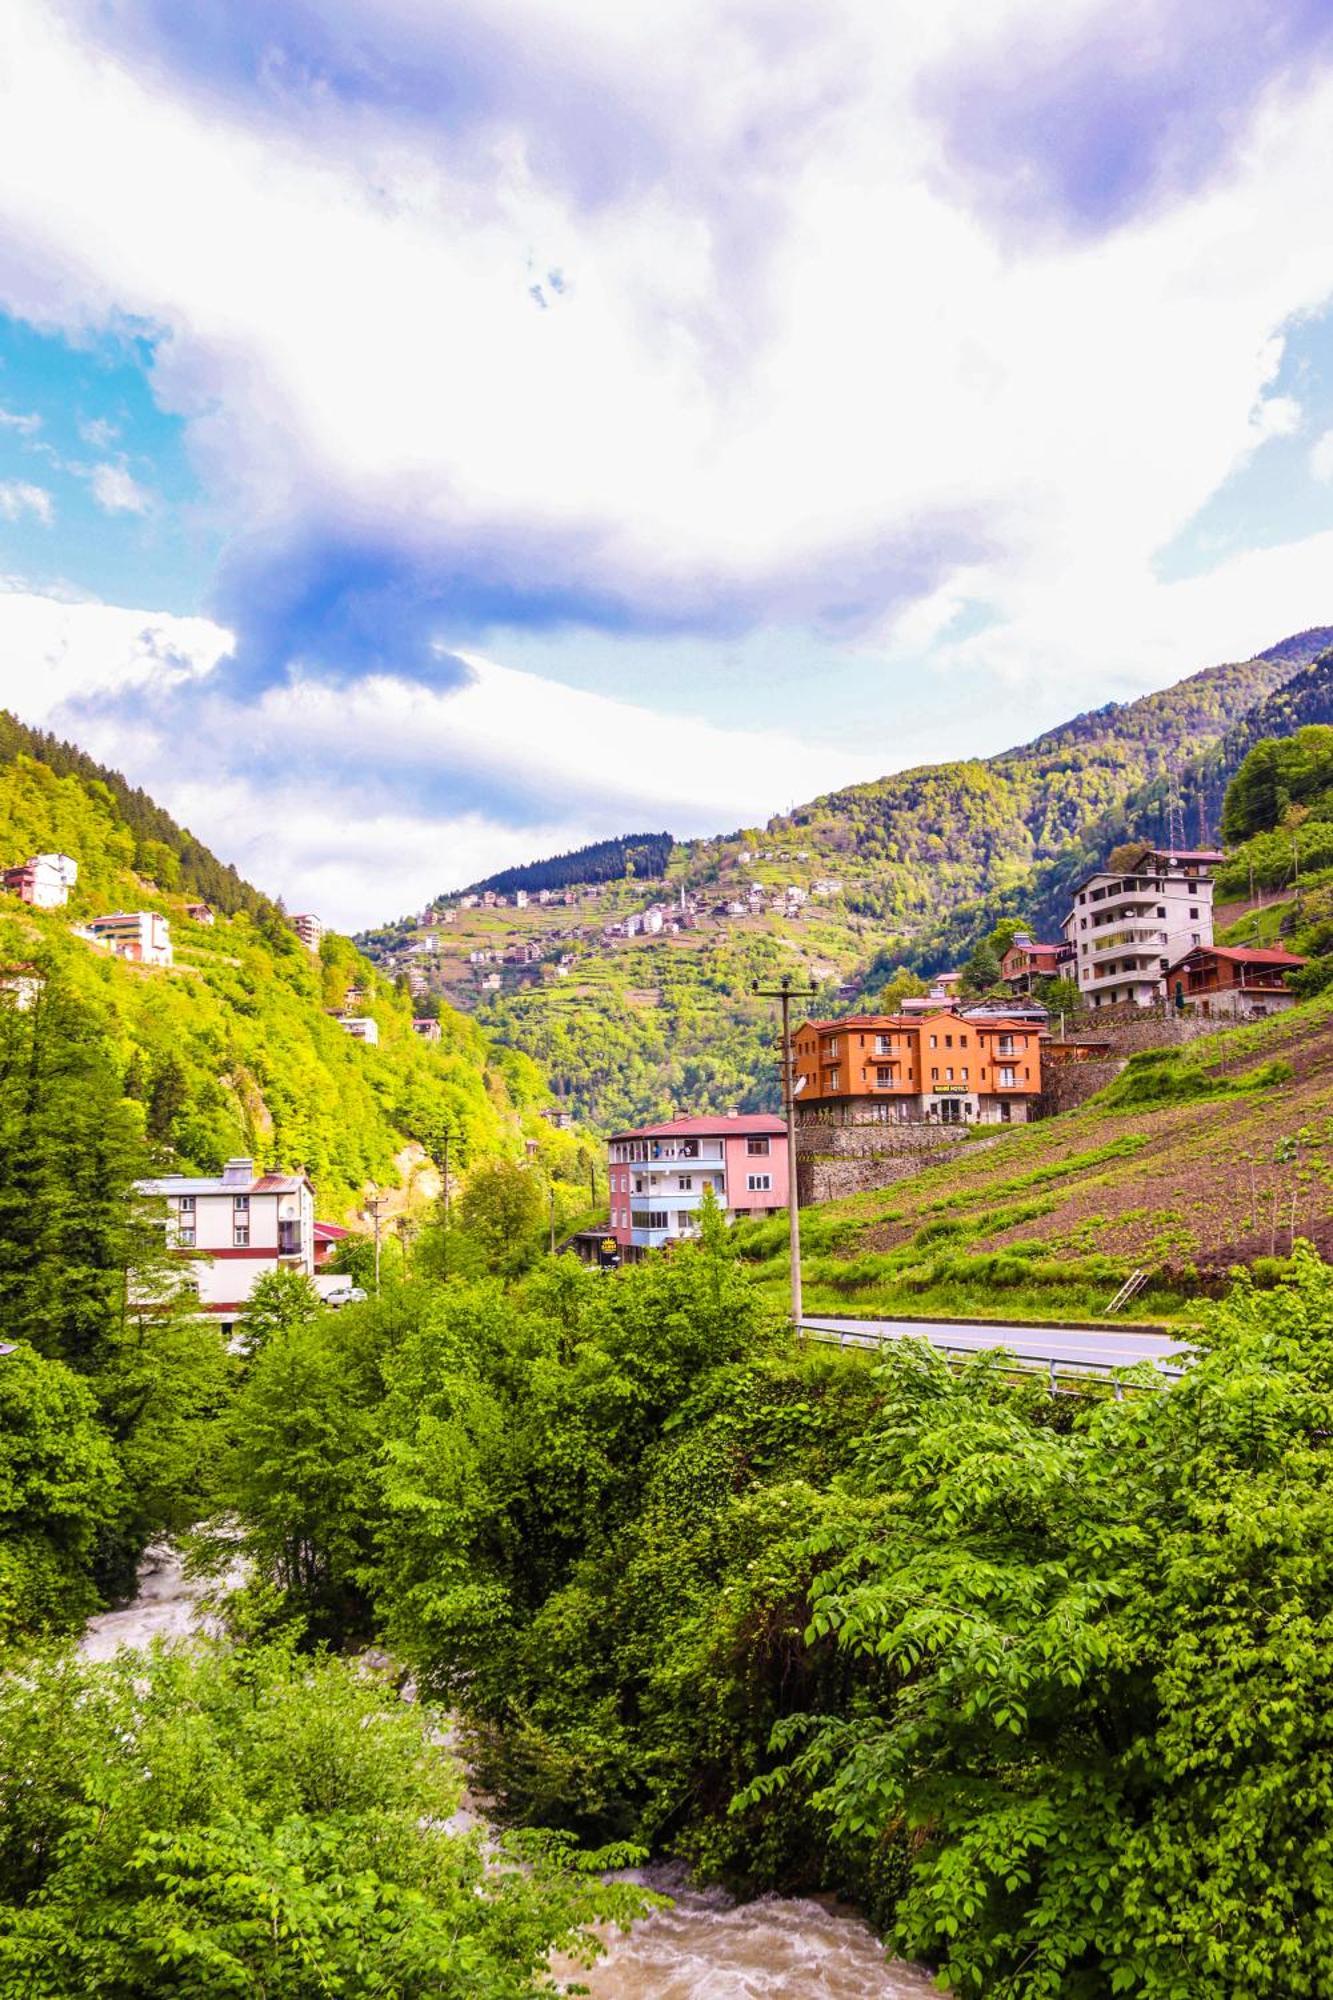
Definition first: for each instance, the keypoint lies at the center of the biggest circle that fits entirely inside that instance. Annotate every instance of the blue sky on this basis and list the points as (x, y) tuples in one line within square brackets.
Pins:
[(431, 434)]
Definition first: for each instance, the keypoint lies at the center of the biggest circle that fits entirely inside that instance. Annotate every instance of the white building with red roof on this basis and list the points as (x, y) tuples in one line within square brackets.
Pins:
[(658, 1175), (234, 1227)]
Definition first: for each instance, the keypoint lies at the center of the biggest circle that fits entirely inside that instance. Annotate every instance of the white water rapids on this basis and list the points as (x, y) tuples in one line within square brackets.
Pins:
[(706, 1948)]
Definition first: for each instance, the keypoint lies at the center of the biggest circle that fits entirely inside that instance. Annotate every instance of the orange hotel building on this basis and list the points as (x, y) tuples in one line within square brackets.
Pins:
[(933, 1068)]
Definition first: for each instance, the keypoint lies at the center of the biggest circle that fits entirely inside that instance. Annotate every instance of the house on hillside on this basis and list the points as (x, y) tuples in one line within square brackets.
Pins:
[(1233, 982), (936, 1069), (310, 931), (200, 913), (141, 936), (427, 1027), (234, 1227), (361, 1027), (658, 1174), (43, 880), (1027, 960), (327, 1237), (1126, 931)]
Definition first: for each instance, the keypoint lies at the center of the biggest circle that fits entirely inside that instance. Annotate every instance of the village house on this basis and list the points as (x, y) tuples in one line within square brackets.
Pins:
[(658, 1174), (310, 930), (427, 1027), (468, 902), (520, 899), (235, 1227), (1233, 982), (934, 1069), (200, 913), (1126, 931), (141, 936), (361, 1027), (1027, 960), (328, 1235), (43, 880)]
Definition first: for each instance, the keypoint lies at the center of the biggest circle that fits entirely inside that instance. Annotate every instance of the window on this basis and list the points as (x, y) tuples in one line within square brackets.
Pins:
[(759, 1183), (1006, 1111), (964, 1072), (240, 1236), (241, 1204), (834, 1079), (186, 1204), (934, 1076), (685, 1183), (1008, 1075), (883, 1076), (757, 1148), (948, 1074), (962, 1041), (948, 1041), (1194, 915), (185, 1236), (934, 1042), (653, 1218)]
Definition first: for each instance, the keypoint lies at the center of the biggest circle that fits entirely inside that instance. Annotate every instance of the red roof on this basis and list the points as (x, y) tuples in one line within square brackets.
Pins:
[(698, 1128), (329, 1232), (1244, 955)]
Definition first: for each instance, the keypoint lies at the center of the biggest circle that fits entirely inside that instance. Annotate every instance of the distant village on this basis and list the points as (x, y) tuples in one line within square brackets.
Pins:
[(1135, 939)]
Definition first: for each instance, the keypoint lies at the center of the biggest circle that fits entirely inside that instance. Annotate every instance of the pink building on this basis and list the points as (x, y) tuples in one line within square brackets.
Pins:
[(658, 1174)]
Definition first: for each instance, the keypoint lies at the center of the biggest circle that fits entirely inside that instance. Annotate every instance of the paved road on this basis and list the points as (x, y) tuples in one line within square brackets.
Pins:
[(1077, 1348)]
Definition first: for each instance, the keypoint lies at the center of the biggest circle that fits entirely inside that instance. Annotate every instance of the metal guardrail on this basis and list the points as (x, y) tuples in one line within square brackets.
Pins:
[(1082, 1374)]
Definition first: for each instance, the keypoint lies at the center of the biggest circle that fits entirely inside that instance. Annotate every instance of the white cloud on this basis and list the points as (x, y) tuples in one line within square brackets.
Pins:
[(116, 491), (791, 344), (361, 818), (26, 422), (99, 432), (17, 498), (1321, 457)]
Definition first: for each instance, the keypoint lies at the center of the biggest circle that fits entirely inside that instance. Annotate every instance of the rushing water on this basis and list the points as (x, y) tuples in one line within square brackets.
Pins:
[(705, 1948)]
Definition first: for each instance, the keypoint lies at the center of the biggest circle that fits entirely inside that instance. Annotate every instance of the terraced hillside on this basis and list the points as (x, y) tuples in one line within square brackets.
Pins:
[(911, 869)]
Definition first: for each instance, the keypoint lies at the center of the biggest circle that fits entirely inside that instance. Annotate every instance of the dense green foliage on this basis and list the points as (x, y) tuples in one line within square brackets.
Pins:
[(159, 848), (109, 1403), (235, 1050), (642, 855), (218, 1822), (1044, 1684)]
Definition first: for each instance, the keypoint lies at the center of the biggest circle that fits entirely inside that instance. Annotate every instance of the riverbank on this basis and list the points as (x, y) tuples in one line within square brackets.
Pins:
[(706, 1947)]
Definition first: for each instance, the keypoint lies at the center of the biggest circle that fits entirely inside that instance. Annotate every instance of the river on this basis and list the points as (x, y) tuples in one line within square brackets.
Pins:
[(705, 1948)]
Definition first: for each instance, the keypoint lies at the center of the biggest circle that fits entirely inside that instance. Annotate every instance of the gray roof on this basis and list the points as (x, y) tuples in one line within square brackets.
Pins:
[(214, 1184)]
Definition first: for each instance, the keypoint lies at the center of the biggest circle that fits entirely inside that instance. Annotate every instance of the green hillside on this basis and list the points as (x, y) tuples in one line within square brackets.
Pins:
[(913, 869), (234, 1049)]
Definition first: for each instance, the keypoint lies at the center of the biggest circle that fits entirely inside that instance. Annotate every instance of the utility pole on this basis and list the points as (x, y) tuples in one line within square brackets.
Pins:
[(374, 1202), (550, 1191), (439, 1153), (785, 992)]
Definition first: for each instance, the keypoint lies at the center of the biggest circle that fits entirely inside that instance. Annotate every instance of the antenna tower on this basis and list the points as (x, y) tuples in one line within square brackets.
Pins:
[(1175, 827)]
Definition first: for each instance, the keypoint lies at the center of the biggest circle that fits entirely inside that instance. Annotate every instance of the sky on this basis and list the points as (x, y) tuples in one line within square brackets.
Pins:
[(434, 435)]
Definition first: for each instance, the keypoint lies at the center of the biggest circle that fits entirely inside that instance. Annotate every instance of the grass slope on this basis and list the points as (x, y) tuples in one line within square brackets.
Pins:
[(1212, 1153)]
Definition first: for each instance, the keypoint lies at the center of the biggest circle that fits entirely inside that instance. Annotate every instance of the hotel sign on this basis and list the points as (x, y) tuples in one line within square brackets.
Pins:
[(950, 1089)]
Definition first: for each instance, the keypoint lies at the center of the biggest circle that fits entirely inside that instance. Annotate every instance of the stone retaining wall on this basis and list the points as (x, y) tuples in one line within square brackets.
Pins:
[(834, 1160)]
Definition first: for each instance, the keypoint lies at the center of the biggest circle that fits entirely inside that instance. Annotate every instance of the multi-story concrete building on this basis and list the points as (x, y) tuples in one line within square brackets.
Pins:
[(142, 936), (43, 880), (248, 1223), (361, 1027), (309, 929), (658, 1174), (939, 1068), (1125, 931)]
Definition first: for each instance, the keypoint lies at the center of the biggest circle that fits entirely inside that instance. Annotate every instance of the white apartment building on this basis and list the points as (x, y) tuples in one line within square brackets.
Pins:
[(310, 930), (43, 880), (1125, 930), (234, 1227), (361, 1028), (139, 935)]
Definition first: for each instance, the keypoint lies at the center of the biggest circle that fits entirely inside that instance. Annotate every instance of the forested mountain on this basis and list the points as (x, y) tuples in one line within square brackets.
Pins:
[(162, 849), (912, 869), (641, 855), (234, 1049)]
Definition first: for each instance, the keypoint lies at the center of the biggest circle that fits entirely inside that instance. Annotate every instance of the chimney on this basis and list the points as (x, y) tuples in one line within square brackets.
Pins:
[(238, 1173), (732, 1111)]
